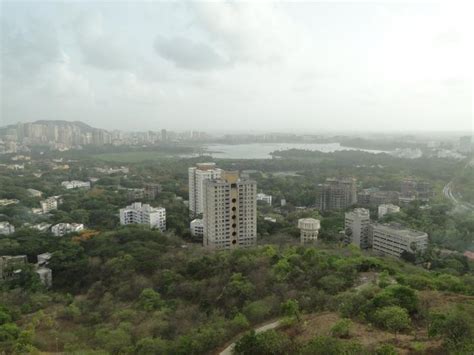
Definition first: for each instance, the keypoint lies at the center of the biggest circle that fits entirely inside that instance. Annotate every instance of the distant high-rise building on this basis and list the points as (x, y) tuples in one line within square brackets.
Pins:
[(337, 194), (230, 212), (413, 189), (164, 135), (357, 224), (393, 239), (309, 230), (136, 213), (197, 176)]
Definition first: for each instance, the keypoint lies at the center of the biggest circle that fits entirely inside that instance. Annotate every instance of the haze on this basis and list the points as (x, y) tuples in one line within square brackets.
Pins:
[(239, 66)]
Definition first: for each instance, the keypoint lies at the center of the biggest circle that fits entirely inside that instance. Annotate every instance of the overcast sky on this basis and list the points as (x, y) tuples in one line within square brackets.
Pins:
[(230, 66)]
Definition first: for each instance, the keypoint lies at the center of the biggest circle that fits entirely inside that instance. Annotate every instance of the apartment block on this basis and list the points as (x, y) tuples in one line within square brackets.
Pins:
[(197, 176), (138, 213), (197, 228), (387, 209), (265, 198), (6, 228), (336, 194), (61, 229), (356, 225), (393, 239), (230, 212)]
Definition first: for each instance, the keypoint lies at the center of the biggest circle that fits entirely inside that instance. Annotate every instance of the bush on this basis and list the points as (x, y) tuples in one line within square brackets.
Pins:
[(342, 328), (393, 318)]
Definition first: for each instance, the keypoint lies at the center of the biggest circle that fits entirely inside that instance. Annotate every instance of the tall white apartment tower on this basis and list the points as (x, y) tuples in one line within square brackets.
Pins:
[(197, 176), (230, 212), (357, 224)]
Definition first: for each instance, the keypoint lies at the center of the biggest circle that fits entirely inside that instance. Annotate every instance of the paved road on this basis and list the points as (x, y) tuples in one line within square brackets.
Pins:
[(263, 328)]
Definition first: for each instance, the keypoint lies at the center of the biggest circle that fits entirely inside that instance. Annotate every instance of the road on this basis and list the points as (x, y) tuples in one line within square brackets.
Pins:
[(456, 198), (263, 328)]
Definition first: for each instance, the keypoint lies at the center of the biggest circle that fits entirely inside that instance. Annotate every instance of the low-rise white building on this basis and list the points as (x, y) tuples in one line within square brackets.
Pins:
[(61, 229), (6, 228), (74, 184), (34, 193), (138, 213), (197, 228), (309, 229), (264, 197), (42, 227), (49, 204), (7, 202), (387, 209), (393, 239)]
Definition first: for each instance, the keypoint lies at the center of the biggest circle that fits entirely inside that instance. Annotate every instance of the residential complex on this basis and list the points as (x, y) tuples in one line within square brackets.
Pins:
[(387, 209), (6, 228), (49, 204), (415, 190), (75, 184), (265, 198), (336, 194), (61, 229), (356, 225), (197, 176), (197, 228), (309, 230), (230, 212), (393, 239), (138, 213)]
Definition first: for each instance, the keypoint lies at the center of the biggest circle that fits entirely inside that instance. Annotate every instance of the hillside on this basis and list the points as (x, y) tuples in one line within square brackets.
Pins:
[(137, 291)]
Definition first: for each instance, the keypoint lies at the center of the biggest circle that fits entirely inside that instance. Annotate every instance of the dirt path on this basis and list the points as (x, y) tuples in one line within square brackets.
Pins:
[(260, 329)]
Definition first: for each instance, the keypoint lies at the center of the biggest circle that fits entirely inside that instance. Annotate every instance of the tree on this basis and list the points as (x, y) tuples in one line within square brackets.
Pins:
[(342, 328), (291, 308), (269, 342), (393, 318), (149, 300)]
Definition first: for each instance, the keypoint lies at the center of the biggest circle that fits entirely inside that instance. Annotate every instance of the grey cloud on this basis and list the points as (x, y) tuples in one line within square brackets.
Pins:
[(26, 51), (189, 54)]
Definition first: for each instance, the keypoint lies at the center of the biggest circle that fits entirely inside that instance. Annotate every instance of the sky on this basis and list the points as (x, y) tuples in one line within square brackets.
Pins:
[(239, 66)]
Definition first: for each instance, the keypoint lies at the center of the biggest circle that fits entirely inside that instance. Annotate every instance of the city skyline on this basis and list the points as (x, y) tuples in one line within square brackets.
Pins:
[(311, 67)]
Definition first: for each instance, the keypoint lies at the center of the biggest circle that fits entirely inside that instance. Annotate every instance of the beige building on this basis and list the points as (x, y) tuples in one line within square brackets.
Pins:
[(393, 239), (230, 212), (309, 230)]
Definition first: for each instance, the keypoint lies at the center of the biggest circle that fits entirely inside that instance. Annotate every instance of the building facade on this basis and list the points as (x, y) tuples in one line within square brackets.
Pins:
[(309, 230), (393, 239), (197, 176), (197, 228), (356, 225), (230, 212), (61, 229), (76, 184), (138, 213), (387, 209), (49, 204), (336, 194), (6, 228), (265, 198)]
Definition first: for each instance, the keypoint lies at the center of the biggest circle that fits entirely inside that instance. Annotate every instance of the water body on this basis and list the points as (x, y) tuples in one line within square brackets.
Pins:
[(263, 150)]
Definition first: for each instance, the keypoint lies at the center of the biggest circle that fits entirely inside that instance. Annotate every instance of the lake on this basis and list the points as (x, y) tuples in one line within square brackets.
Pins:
[(263, 150)]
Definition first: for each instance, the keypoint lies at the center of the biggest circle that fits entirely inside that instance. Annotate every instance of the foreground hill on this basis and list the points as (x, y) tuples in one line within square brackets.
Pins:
[(137, 291)]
